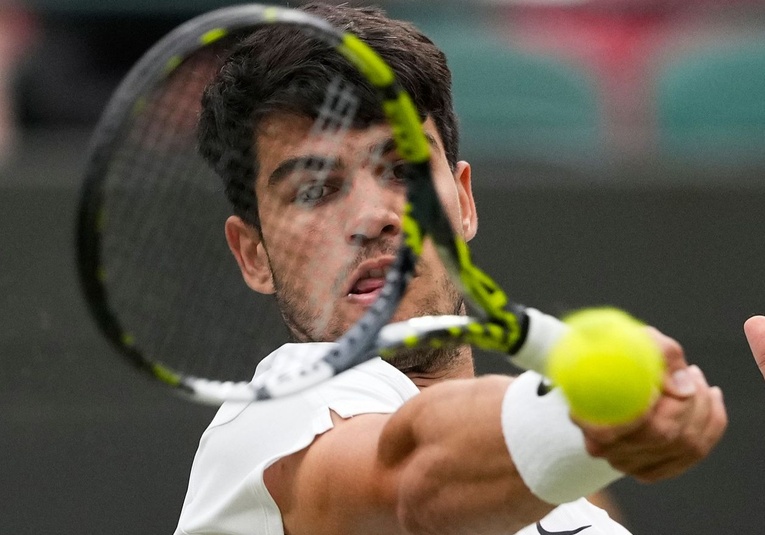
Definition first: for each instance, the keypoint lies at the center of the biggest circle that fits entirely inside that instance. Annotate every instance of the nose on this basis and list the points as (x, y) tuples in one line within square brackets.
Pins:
[(374, 213)]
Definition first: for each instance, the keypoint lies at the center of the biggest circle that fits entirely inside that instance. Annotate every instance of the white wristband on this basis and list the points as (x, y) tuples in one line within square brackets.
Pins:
[(547, 447)]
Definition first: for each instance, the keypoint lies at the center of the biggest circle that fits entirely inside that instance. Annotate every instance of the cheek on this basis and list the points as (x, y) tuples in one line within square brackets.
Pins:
[(306, 253), (448, 195), (431, 293)]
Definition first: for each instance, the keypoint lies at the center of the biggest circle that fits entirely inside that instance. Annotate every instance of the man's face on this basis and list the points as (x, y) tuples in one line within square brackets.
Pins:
[(328, 237)]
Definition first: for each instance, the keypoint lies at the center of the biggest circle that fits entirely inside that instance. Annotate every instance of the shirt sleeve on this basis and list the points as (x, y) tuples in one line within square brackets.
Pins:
[(226, 492)]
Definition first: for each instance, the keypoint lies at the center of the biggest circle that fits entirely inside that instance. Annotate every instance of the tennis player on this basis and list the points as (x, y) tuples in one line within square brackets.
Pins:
[(754, 328), (419, 444)]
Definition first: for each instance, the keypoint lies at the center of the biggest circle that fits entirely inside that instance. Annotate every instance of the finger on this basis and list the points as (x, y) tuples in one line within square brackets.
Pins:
[(754, 328), (660, 470), (677, 381), (685, 424), (676, 438), (676, 418), (699, 445), (670, 348), (718, 419), (670, 417), (712, 418), (680, 383), (702, 406)]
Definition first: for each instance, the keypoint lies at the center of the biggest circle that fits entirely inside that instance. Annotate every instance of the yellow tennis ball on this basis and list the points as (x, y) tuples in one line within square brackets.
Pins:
[(608, 367)]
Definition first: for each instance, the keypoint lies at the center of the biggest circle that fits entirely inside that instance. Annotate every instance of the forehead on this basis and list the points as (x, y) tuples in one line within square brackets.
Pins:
[(283, 136)]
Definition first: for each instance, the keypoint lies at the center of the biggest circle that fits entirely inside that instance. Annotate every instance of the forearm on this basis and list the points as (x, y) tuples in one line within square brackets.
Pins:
[(456, 474), (488, 455)]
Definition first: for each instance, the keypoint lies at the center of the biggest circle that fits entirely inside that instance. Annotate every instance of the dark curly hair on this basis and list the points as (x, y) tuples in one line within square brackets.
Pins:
[(278, 69)]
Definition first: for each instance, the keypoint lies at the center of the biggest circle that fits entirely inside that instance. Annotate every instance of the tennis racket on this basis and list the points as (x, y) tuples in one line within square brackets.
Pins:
[(154, 265)]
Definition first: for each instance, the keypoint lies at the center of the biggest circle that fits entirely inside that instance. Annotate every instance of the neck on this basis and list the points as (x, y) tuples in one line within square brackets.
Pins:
[(460, 367)]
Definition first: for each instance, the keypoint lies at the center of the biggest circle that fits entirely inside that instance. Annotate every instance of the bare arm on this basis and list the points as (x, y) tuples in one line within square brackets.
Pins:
[(456, 473), (440, 464)]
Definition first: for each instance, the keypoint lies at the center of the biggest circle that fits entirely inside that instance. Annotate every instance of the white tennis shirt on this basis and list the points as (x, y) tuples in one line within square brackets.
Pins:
[(226, 493)]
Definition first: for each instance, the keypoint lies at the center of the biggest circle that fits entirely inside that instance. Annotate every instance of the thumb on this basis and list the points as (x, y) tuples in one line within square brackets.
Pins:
[(754, 328), (678, 381)]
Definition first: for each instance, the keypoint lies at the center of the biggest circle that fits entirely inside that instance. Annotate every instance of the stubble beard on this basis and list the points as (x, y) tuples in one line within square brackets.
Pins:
[(305, 324)]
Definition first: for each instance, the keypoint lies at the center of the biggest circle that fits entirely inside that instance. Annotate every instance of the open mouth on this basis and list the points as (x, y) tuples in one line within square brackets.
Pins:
[(368, 280)]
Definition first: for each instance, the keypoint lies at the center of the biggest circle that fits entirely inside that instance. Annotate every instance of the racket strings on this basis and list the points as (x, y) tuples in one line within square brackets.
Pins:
[(330, 130), (163, 239), (337, 112), (175, 285)]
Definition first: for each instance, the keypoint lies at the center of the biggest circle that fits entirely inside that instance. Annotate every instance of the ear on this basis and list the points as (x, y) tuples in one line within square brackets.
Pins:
[(469, 217), (247, 247)]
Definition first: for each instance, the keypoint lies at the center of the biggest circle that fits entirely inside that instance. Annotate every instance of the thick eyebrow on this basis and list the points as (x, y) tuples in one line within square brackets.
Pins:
[(319, 162), (389, 145), (309, 161)]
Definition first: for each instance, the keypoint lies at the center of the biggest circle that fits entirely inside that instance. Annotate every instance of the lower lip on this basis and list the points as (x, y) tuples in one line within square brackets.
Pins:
[(365, 299)]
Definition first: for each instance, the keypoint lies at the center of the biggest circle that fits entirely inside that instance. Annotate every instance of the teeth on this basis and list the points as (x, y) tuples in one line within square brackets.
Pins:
[(376, 273)]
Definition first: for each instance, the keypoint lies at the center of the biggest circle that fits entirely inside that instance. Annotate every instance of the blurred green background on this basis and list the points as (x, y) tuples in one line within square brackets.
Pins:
[(619, 158)]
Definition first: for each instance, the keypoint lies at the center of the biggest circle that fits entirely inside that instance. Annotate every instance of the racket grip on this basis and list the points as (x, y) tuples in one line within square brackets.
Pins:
[(543, 332)]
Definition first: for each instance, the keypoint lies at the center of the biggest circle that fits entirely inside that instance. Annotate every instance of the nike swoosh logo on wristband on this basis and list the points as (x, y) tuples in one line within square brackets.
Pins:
[(544, 388), (543, 531)]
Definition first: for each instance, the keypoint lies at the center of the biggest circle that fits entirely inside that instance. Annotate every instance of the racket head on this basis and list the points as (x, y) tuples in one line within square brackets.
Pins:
[(152, 214)]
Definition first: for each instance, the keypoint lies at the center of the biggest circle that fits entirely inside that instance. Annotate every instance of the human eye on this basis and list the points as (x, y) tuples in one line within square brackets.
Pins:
[(394, 172), (313, 193)]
